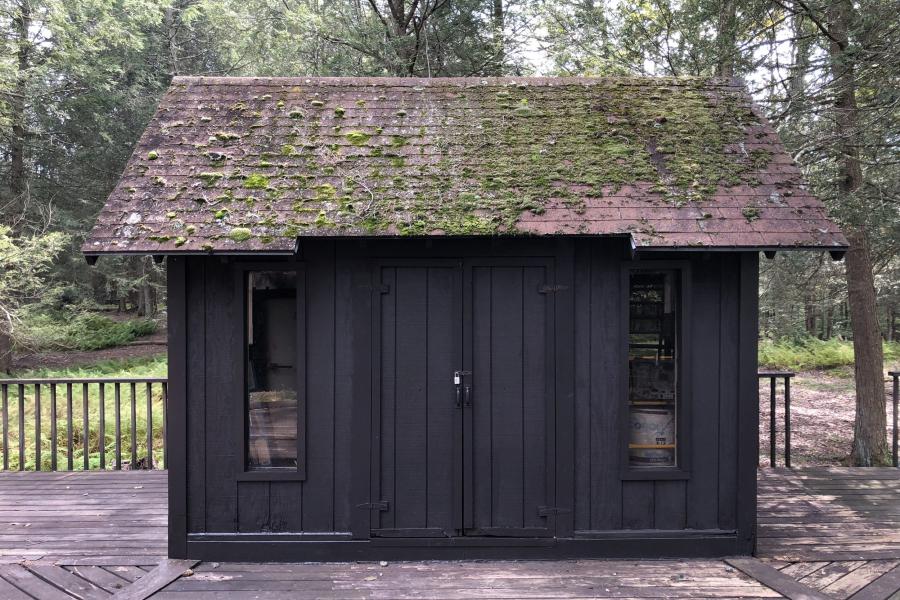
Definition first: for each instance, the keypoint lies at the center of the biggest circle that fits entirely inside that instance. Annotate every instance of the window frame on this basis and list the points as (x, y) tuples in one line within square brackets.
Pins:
[(683, 392), (245, 473)]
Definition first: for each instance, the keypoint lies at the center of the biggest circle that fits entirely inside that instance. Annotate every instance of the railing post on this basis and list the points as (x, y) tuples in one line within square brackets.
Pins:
[(4, 391), (85, 427), (37, 427), (895, 375), (53, 431), (772, 422), (21, 426), (787, 421)]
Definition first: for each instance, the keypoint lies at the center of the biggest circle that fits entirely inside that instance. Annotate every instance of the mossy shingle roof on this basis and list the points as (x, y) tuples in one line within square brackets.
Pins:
[(253, 164)]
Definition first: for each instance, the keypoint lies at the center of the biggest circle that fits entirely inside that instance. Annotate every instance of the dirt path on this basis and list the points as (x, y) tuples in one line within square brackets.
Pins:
[(823, 407), (151, 345)]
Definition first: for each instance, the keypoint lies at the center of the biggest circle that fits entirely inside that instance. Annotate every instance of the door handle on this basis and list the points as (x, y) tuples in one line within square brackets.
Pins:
[(458, 396), (468, 396)]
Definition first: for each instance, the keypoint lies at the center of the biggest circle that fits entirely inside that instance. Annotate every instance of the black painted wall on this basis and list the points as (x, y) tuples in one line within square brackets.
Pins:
[(211, 504)]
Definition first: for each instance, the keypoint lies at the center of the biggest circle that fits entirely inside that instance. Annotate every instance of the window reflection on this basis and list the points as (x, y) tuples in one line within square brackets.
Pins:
[(271, 369)]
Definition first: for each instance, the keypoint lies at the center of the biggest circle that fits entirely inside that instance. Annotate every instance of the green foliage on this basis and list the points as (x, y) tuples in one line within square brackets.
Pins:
[(812, 353), (62, 330)]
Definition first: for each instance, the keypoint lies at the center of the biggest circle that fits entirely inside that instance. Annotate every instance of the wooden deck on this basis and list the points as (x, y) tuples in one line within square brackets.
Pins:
[(823, 533)]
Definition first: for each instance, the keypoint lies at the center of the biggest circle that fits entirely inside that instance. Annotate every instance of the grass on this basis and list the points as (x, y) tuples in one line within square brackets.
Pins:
[(811, 353), (132, 368)]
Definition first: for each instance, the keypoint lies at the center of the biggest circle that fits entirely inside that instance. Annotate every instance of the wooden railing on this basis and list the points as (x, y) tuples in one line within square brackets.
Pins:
[(773, 377), (78, 411)]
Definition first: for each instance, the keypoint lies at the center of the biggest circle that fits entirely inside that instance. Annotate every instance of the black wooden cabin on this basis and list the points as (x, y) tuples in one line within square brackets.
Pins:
[(459, 318)]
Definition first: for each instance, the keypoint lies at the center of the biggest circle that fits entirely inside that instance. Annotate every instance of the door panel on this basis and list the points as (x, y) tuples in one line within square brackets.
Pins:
[(417, 421), (481, 468), (508, 419)]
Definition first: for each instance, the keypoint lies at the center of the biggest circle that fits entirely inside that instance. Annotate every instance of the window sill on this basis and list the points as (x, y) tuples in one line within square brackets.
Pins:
[(655, 474), (272, 475)]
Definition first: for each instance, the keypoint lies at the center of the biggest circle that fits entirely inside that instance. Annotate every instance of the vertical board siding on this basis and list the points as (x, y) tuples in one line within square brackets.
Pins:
[(510, 335), (223, 394), (729, 327), (703, 396), (317, 503), (343, 397), (196, 392), (583, 378)]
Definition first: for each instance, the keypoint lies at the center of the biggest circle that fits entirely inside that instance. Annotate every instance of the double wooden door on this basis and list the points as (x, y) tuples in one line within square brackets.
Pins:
[(463, 398)]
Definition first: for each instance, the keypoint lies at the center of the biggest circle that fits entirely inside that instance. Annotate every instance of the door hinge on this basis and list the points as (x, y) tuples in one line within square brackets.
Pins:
[(547, 511), (552, 289), (382, 505)]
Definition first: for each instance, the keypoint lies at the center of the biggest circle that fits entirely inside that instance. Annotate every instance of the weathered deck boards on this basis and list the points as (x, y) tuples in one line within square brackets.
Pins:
[(481, 579), (829, 514), (83, 535), (68, 516)]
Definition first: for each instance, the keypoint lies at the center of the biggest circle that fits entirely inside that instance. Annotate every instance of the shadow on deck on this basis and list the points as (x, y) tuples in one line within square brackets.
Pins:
[(823, 533)]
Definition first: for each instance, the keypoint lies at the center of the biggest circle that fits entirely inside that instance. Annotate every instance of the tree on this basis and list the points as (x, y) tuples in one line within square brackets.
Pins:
[(25, 263)]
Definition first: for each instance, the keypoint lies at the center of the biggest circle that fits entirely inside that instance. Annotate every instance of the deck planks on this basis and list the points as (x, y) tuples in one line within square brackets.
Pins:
[(830, 514), (73, 515), (63, 535)]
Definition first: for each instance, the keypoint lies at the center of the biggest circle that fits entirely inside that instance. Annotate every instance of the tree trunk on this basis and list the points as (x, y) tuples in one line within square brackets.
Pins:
[(726, 39), (869, 438), (18, 144), (497, 19), (5, 351)]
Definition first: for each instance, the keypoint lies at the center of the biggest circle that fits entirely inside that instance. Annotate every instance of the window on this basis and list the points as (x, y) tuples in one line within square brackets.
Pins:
[(272, 359), (653, 368)]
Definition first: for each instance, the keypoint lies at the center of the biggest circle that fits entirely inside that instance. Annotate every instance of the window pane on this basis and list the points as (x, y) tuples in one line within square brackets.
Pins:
[(653, 368), (271, 369)]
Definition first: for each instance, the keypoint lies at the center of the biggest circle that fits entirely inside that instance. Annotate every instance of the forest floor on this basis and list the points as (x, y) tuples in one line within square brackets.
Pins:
[(143, 347), (823, 406)]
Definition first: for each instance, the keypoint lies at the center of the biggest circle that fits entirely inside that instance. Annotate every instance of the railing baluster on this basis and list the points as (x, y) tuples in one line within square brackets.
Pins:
[(53, 427), (118, 409), (895, 375), (21, 427), (4, 392), (133, 390), (149, 425), (165, 421), (69, 447), (86, 427), (787, 422), (772, 422), (102, 433), (37, 427)]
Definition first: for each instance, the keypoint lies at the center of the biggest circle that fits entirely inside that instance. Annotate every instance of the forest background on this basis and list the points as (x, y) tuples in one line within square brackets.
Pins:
[(79, 80)]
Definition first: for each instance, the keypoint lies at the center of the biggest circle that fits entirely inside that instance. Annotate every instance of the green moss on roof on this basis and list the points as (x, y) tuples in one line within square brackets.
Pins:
[(240, 234), (211, 178), (256, 181), (357, 137)]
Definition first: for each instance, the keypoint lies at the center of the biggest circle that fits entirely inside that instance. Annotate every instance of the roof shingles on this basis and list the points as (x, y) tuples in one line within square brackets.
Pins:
[(251, 164)]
